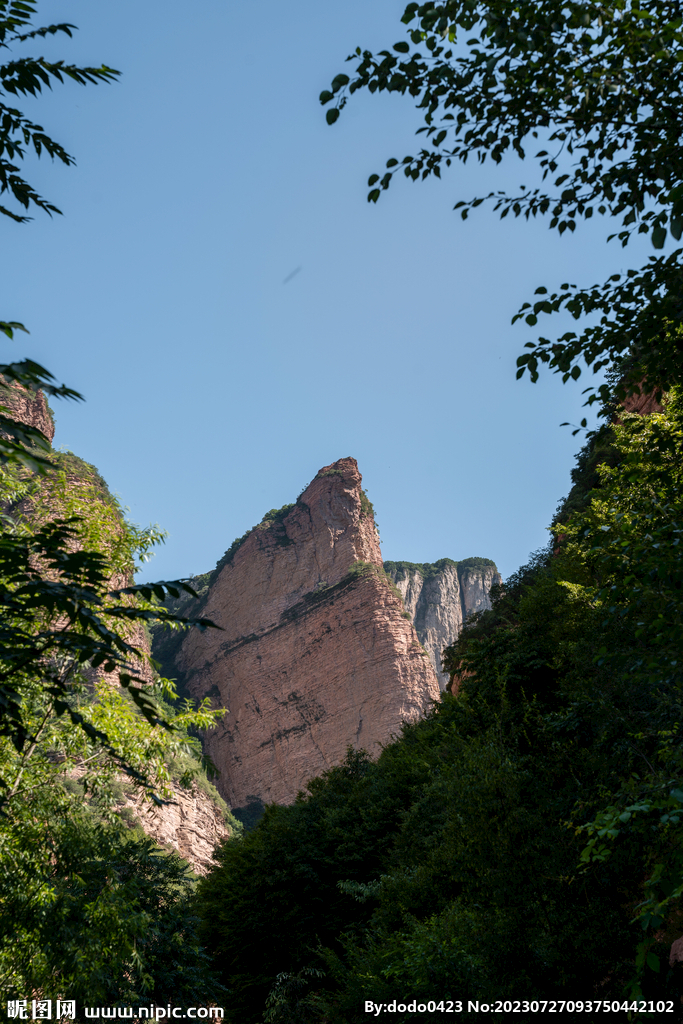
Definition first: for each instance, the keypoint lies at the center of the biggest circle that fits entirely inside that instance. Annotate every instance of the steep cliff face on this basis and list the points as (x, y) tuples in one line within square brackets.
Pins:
[(28, 407), (315, 652), (440, 596)]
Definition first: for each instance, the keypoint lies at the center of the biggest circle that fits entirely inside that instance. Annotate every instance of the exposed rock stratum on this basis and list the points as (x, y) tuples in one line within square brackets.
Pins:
[(28, 407), (191, 824), (316, 651), (441, 596)]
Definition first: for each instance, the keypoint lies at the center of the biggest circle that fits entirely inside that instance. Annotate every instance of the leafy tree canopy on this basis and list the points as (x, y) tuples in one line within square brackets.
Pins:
[(22, 75), (594, 93), (90, 907)]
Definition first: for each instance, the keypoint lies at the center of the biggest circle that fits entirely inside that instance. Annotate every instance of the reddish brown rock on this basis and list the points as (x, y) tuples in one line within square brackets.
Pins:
[(676, 952), (191, 824), (316, 653), (28, 407), (643, 403)]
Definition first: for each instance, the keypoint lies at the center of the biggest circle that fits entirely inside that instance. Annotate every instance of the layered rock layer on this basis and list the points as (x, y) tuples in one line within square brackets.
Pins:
[(315, 652), (191, 824), (29, 407), (439, 598)]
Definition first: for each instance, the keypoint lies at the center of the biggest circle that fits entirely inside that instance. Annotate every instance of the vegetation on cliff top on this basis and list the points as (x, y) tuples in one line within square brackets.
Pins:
[(276, 516), (272, 518), (400, 570)]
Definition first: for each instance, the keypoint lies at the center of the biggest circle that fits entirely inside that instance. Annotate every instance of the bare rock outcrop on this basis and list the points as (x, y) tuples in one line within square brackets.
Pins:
[(191, 824), (440, 596), (315, 652), (29, 407)]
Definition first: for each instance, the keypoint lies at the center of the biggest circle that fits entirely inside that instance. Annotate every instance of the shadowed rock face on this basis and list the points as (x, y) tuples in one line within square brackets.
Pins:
[(439, 598), (643, 403), (315, 653)]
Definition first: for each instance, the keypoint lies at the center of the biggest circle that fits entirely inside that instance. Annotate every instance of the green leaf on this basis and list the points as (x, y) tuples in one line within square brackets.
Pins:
[(402, 47), (658, 236), (332, 115), (339, 81)]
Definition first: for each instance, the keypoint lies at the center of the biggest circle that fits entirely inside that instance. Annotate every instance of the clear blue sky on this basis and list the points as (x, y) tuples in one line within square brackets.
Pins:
[(215, 391)]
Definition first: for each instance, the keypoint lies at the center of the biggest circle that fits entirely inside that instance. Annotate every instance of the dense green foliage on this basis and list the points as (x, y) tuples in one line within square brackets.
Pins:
[(596, 89), (67, 559), (91, 910), (476, 562), (524, 840)]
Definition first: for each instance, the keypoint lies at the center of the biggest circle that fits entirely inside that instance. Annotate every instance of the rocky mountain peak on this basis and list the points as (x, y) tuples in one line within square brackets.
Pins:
[(315, 652)]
